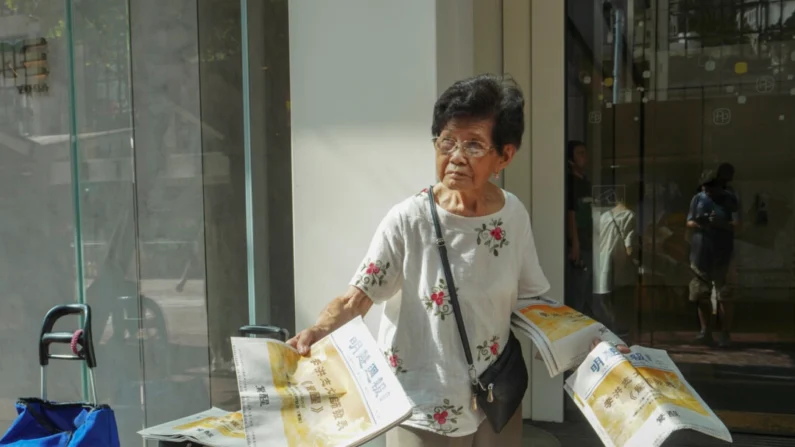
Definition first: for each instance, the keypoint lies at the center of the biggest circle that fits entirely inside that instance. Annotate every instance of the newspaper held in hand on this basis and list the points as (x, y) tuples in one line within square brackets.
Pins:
[(211, 428), (638, 399), (343, 394), (562, 335)]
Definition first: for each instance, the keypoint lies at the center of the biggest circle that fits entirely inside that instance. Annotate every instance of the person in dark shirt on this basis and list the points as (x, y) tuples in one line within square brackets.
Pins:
[(579, 229), (711, 217), (725, 176)]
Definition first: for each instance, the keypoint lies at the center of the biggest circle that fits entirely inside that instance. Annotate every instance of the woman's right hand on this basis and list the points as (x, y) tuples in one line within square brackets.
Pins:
[(338, 312), (304, 340)]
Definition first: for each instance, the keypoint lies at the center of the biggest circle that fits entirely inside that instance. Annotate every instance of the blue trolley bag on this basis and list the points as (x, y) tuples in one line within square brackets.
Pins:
[(44, 423)]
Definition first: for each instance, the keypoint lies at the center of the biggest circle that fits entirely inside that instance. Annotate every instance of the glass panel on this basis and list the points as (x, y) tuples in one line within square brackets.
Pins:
[(37, 228), (156, 108), (220, 71), (170, 210), (664, 114), (102, 118), (187, 63)]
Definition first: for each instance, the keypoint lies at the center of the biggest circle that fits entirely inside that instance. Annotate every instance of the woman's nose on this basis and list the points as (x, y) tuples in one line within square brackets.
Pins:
[(458, 155)]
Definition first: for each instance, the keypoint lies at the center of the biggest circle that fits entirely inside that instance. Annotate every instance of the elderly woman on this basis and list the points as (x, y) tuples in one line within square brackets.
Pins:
[(477, 128)]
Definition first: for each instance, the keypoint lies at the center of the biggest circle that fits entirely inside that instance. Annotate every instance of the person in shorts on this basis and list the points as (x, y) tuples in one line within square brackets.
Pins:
[(711, 219)]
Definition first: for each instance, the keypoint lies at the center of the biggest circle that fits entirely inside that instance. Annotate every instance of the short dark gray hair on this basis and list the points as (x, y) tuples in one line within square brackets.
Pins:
[(484, 96)]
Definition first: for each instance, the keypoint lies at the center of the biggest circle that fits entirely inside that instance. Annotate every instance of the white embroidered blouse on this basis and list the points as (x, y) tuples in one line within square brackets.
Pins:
[(494, 262)]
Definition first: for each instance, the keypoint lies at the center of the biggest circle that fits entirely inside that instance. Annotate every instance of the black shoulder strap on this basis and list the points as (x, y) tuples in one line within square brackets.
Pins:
[(459, 319)]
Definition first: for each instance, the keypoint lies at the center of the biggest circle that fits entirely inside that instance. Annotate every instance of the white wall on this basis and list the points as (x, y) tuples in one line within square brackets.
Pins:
[(364, 77), (362, 92)]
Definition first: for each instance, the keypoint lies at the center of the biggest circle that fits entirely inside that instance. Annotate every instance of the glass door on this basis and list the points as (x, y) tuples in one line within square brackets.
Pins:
[(682, 112)]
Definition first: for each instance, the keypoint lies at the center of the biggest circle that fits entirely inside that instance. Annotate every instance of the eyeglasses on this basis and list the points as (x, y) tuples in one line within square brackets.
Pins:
[(447, 146)]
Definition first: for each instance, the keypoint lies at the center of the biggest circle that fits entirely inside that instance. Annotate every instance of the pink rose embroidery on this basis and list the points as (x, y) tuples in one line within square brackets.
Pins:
[(394, 360), (488, 350), (438, 301), (373, 269), (438, 298), (372, 274), (492, 236), (443, 418)]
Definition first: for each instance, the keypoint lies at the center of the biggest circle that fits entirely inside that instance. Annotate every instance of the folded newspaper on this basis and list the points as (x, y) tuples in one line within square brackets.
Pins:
[(343, 394), (638, 399), (562, 335), (211, 428)]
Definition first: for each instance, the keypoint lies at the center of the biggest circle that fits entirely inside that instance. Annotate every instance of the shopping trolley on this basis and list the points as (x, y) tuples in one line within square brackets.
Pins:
[(45, 423), (245, 331), (276, 332)]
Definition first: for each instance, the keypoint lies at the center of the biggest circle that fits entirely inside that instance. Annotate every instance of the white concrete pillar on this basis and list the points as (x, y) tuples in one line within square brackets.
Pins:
[(533, 53)]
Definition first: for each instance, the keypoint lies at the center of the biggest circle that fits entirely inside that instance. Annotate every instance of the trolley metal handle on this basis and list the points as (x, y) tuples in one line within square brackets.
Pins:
[(48, 337), (83, 338), (281, 333)]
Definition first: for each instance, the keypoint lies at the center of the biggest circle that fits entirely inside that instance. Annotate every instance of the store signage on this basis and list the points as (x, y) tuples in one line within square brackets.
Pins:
[(25, 65), (29, 89)]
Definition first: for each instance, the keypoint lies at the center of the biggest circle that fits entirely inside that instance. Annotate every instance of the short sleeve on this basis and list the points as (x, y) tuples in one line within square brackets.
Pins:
[(380, 274), (532, 281), (629, 233), (691, 213)]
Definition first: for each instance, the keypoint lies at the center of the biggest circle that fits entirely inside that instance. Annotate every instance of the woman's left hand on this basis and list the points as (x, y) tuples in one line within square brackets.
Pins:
[(624, 349)]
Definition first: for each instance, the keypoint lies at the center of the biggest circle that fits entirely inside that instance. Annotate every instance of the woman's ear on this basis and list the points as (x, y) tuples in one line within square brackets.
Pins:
[(508, 152)]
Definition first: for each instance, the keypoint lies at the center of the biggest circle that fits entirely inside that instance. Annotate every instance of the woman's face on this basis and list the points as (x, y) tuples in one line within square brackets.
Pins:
[(460, 171)]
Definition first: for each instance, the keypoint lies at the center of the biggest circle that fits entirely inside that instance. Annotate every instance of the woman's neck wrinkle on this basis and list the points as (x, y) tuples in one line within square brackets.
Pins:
[(466, 204)]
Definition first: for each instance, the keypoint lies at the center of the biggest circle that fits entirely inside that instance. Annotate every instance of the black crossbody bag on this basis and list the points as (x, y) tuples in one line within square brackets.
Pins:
[(500, 389)]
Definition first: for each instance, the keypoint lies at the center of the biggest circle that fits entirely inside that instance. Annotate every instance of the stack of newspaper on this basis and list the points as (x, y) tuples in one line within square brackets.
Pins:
[(343, 394), (211, 428), (631, 399), (562, 335), (639, 399)]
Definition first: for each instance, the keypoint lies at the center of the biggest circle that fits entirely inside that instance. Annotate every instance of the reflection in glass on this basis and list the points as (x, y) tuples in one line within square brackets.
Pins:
[(37, 228), (144, 100), (682, 108)]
